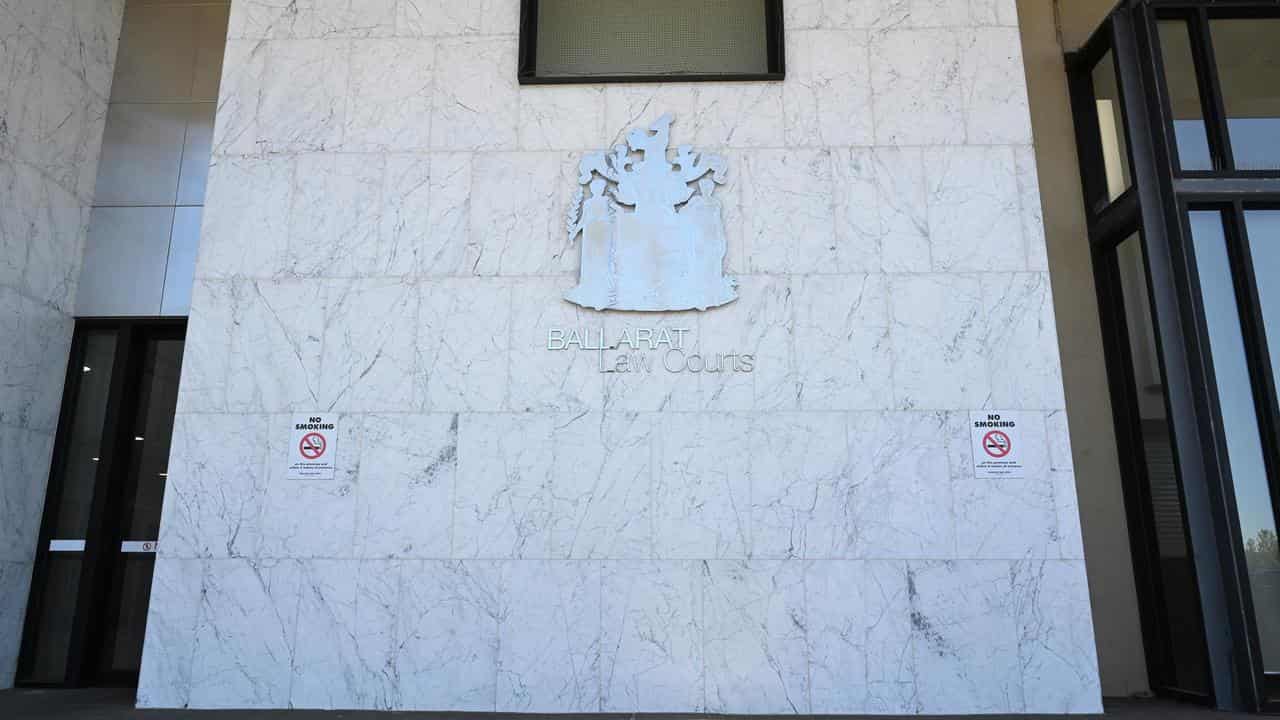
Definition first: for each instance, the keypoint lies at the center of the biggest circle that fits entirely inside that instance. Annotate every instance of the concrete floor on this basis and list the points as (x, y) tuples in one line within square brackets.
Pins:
[(118, 705)]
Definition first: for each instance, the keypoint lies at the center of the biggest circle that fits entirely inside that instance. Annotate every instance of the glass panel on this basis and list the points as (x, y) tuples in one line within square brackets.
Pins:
[(1181, 620), (1115, 141), (1264, 247), (1184, 96), (85, 442), (1248, 55), (60, 585), (56, 616), (1240, 425), (583, 38), (151, 431)]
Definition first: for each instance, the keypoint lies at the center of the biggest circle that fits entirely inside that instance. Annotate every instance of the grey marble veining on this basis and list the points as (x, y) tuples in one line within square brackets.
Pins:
[(56, 61), (512, 529)]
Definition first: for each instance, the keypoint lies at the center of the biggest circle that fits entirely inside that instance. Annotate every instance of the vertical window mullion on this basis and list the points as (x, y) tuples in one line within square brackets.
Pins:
[(1215, 112)]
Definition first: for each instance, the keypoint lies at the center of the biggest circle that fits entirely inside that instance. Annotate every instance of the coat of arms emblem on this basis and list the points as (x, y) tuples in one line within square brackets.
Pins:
[(652, 235)]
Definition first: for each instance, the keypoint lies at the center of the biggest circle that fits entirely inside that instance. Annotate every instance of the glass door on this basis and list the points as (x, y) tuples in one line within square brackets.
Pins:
[(92, 580), (1177, 653), (1237, 265)]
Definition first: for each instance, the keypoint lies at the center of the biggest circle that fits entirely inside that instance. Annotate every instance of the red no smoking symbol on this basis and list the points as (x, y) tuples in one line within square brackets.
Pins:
[(997, 444), (312, 446)]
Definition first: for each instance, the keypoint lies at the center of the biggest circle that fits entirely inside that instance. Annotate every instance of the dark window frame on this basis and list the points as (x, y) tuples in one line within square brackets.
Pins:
[(1157, 203), (527, 71), (91, 594)]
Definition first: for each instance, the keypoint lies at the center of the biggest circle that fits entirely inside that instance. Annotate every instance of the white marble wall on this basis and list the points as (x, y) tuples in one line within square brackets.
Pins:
[(511, 530), (56, 59)]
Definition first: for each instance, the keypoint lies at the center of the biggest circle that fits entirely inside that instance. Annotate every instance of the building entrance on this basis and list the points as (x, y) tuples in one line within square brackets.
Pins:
[(1177, 110), (92, 579)]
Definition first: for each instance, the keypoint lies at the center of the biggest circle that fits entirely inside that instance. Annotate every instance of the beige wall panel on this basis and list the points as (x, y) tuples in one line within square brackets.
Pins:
[(1106, 539)]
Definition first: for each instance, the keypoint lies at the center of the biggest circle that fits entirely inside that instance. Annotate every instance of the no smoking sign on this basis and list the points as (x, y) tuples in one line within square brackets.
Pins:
[(996, 438), (313, 448)]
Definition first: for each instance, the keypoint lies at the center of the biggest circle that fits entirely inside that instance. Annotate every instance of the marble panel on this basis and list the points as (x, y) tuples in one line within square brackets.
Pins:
[(244, 62), (463, 341), (172, 615), (843, 356), (760, 323), (476, 98), (38, 341), (652, 388), (54, 120), (939, 341), (549, 649), (404, 498), (939, 13), (276, 348), (445, 225), (898, 501), (858, 634), (447, 635), (516, 224), (503, 506), (333, 221), (800, 482), (996, 109), (211, 328), (788, 207), (81, 36), (246, 634), (552, 380), (827, 95), (651, 639), (42, 228), (1004, 518), (289, 19), (392, 83), (352, 18), (975, 222), (964, 637), (1056, 644), (304, 518), (708, 116), (756, 656), (270, 19), (293, 97), (426, 18), (408, 241), (24, 474), (562, 117), (1022, 341), (246, 217), (916, 88), (702, 490), (15, 584), (216, 486), (345, 653), (602, 483), (370, 355), (881, 213)]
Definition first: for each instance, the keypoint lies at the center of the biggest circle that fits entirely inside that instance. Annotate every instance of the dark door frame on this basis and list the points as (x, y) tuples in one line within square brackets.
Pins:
[(110, 484), (1156, 205)]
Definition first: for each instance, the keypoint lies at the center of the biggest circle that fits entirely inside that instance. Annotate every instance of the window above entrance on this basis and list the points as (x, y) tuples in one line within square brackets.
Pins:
[(567, 41)]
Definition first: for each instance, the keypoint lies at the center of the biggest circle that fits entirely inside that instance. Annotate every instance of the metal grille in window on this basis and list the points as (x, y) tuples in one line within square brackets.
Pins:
[(636, 40)]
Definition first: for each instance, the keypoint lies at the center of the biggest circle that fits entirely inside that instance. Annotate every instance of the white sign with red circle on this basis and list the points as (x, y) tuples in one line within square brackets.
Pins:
[(997, 440), (313, 447)]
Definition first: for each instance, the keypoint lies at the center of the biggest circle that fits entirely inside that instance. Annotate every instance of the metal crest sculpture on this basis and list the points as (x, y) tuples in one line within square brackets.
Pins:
[(652, 235)]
